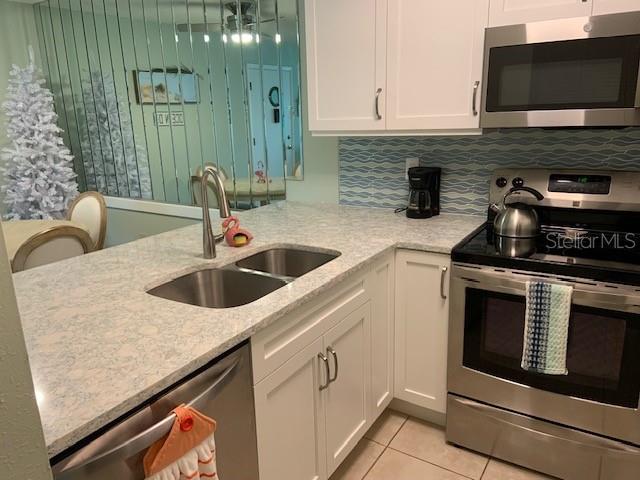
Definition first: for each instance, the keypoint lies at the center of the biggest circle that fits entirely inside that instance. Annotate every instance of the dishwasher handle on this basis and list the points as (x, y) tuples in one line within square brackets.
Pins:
[(152, 434)]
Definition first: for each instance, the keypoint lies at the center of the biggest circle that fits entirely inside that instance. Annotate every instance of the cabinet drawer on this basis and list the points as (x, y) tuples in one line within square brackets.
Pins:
[(277, 343)]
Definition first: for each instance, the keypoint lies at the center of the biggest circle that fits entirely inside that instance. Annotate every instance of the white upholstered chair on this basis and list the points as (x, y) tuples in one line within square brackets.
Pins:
[(51, 245), (90, 211)]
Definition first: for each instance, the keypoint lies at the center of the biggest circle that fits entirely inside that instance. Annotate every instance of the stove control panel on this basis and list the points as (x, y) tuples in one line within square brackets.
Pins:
[(568, 188), (576, 183)]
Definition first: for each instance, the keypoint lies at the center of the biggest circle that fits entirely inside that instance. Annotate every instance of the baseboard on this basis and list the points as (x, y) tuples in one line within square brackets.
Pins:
[(422, 413)]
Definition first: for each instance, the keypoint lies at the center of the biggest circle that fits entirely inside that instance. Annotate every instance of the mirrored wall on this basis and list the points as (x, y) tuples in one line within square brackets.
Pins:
[(150, 91)]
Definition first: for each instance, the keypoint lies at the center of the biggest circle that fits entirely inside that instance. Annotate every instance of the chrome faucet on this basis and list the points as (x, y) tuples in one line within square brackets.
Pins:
[(208, 238)]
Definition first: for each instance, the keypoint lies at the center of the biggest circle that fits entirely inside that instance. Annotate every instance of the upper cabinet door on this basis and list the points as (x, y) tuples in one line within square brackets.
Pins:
[(346, 64), (434, 62), (603, 7), (512, 12)]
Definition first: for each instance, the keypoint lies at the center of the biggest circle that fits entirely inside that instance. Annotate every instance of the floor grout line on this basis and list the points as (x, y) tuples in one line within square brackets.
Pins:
[(386, 447), (375, 441), (398, 431), (485, 468), (374, 462), (436, 465)]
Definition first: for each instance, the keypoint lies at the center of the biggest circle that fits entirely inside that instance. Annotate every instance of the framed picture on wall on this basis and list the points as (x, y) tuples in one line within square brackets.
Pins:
[(172, 87)]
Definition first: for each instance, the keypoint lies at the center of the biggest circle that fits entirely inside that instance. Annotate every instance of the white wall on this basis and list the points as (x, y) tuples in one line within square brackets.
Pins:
[(23, 454), (320, 154)]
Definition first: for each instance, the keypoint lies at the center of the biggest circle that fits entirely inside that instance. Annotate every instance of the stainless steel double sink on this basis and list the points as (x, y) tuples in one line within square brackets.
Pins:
[(244, 281)]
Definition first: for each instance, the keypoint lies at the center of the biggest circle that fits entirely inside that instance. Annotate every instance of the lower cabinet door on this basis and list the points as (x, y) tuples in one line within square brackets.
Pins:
[(382, 315), (290, 419), (422, 322), (348, 348)]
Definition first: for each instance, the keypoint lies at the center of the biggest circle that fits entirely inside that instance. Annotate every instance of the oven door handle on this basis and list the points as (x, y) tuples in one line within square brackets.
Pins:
[(507, 281)]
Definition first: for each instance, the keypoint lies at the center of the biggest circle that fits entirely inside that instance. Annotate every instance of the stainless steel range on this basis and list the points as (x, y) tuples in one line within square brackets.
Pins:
[(584, 425)]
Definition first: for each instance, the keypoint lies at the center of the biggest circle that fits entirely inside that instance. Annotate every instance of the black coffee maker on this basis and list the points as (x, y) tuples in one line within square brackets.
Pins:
[(424, 192)]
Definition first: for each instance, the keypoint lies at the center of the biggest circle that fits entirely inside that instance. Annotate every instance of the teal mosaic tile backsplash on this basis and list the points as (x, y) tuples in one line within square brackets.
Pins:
[(372, 168)]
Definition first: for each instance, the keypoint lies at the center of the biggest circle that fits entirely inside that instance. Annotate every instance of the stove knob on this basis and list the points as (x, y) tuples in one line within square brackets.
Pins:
[(517, 182), (501, 182)]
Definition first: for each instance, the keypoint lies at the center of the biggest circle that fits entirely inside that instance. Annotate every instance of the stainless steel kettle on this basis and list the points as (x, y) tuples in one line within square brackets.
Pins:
[(516, 220)]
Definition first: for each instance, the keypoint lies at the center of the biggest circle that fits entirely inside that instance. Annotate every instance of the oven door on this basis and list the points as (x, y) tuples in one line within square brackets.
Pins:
[(570, 72), (602, 390)]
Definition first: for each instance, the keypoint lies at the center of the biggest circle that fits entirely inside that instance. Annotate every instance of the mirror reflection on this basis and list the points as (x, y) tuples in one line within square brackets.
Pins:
[(149, 92)]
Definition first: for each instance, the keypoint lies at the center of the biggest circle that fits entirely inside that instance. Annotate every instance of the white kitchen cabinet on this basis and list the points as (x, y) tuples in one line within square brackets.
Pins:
[(511, 12), (382, 327), (434, 64), (603, 7), (346, 64), (273, 346), (290, 418), (311, 412), (422, 322), (348, 350)]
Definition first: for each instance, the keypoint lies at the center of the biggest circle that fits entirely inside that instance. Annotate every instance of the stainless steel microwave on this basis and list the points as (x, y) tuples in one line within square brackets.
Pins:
[(572, 72)]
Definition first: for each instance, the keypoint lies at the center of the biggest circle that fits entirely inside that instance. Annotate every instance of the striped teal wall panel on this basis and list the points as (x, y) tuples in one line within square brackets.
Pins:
[(372, 168)]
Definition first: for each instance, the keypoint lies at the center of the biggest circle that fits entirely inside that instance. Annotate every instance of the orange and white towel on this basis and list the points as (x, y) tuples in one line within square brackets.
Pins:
[(188, 452)]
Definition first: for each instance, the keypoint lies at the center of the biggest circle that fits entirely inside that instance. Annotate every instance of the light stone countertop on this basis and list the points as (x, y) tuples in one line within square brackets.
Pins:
[(99, 345)]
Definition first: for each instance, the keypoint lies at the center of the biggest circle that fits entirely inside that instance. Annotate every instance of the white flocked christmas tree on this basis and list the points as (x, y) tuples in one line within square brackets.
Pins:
[(38, 180), (113, 163)]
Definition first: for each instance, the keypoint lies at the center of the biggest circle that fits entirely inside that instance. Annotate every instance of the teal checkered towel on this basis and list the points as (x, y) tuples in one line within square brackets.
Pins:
[(546, 328)]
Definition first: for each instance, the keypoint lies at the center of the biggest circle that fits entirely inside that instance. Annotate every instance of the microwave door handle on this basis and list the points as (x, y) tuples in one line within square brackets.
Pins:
[(151, 435)]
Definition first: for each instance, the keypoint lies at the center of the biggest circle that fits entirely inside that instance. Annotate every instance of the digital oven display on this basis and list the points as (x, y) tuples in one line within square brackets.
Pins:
[(587, 184)]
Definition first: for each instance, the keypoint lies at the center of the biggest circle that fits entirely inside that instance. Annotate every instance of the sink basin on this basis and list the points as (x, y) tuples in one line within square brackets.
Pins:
[(216, 288), (287, 262)]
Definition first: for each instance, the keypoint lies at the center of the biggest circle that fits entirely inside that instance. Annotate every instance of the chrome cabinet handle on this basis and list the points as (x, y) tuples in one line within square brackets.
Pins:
[(149, 436), (474, 102), (335, 361), (378, 92), (326, 369), (443, 273)]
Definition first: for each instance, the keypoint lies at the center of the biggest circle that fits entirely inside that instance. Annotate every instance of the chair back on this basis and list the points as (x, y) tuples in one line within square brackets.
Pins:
[(51, 245), (90, 210), (196, 186)]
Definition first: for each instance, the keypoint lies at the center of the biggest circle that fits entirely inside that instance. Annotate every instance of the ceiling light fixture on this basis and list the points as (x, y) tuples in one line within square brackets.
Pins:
[(245, 37)]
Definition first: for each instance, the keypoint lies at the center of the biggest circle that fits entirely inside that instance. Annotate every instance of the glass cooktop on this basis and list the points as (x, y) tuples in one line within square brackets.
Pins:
[(606, 255)]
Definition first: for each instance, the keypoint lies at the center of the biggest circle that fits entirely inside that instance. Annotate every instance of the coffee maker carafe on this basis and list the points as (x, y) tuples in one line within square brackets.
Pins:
[(424, 192)]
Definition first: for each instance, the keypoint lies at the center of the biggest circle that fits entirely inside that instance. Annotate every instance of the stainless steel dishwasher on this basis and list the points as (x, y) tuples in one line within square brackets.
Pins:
[(221, 390)]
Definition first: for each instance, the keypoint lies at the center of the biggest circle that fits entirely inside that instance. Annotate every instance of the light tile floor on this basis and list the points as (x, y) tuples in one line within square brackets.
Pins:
[(404, 448)]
